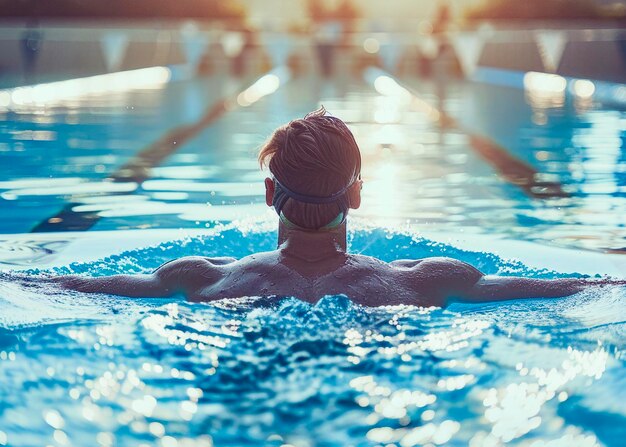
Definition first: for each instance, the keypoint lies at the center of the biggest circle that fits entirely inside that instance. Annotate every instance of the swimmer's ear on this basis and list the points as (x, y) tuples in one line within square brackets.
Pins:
[(269, 191), (354, 194)]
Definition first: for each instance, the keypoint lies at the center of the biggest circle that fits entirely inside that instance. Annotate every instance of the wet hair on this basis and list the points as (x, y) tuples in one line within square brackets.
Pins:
[(313, 156)]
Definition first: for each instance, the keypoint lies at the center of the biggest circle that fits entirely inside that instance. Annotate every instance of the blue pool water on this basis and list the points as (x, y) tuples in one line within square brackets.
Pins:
[(96, 370), (70, 156)]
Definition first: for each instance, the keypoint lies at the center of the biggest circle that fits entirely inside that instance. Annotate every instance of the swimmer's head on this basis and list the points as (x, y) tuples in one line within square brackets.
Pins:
[(313, 157)]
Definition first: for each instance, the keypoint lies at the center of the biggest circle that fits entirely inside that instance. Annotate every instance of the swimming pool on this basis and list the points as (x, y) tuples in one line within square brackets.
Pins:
[(113, 161), (129, 174), (102, 371)]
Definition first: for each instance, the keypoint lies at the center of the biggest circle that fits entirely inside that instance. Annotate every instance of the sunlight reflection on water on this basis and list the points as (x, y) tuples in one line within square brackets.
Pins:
[(92, 370), (413, 169)]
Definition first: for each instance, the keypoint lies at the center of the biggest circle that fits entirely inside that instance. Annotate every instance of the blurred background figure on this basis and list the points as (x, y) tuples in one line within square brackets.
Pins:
[(248, 48), (445, 56), (30, 45), (331, 24), (441, 24)]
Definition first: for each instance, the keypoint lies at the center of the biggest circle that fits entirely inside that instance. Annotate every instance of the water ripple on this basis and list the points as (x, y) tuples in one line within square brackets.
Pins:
[(93, 370)]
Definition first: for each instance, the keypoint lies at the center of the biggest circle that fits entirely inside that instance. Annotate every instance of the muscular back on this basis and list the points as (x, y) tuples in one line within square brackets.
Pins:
[(365, 280)]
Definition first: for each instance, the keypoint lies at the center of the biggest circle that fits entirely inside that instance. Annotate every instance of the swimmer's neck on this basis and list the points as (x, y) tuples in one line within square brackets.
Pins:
[(312, 245)]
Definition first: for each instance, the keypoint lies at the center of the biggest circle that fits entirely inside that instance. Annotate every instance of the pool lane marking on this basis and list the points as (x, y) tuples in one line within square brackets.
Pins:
[(514, 170), (138, 168), (510, 168)]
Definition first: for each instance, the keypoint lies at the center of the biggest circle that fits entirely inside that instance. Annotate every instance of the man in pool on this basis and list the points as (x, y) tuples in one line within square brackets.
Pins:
[(315, 167)]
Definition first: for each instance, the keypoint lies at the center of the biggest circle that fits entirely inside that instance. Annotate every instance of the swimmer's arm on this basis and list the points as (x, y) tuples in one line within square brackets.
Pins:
[(172, 278), (134, 286), (499, 288), (453, 280)]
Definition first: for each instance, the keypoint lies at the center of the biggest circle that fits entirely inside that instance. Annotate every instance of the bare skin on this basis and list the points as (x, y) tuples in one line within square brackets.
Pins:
[(309, 265), (312, 264)]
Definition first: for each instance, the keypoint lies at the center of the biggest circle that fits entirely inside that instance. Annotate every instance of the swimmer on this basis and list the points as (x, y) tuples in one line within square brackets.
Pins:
[(315, 167)]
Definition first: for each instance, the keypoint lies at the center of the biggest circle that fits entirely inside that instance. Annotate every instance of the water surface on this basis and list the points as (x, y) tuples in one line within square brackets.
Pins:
[(98, 370)]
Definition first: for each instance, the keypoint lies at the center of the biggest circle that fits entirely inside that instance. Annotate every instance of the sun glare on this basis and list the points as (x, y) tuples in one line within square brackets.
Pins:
[(53, 93)]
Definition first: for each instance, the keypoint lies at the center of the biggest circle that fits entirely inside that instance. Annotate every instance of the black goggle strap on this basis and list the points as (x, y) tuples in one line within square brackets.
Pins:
[(282, 194)]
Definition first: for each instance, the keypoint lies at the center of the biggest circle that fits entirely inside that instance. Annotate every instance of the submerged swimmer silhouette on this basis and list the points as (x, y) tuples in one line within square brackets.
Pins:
[(315, 165)]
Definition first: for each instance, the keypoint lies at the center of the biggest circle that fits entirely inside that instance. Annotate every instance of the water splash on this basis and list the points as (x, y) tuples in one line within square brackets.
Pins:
[(93, 370)]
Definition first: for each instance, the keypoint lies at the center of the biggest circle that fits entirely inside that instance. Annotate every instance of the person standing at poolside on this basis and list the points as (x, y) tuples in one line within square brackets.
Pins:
[(315, 167)]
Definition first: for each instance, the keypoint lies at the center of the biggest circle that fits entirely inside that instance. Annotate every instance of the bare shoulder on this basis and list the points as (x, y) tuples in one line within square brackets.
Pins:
[(364, 259), (437, 265), (442, 272), (405, 263), (367, 263), (262, 258), (447, 265), (187, 266), (221, 260)]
